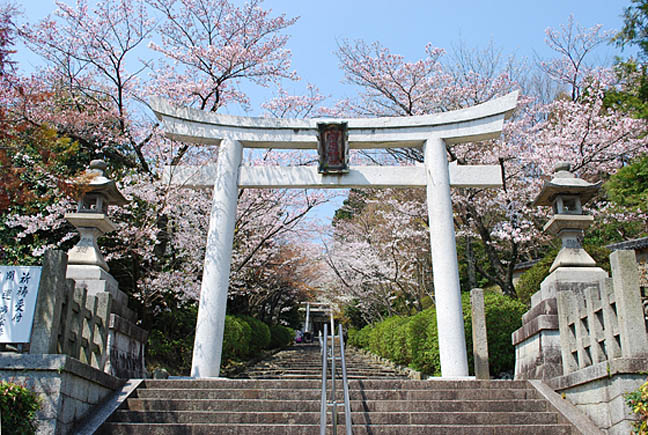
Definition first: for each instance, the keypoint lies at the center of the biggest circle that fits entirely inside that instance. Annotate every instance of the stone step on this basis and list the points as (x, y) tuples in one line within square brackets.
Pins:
[(298, 376), (309, 384), (358, 418), (251, 405), (361, 374), (318, 371), (280, 429), (314, 394)]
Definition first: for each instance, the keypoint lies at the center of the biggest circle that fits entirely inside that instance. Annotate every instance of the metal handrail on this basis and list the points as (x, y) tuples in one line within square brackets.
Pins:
[(326, 355), (324, 349), (345, 385)]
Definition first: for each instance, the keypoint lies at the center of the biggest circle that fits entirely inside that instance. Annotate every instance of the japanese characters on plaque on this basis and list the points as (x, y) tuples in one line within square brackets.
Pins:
[(333, 148), (18, 292)]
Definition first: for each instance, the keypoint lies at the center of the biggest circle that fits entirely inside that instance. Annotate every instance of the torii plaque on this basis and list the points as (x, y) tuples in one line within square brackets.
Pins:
[(432, 132)]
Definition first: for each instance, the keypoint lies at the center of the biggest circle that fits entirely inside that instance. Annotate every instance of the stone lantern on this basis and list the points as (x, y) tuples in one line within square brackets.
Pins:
[(90, 219), (567, 194)]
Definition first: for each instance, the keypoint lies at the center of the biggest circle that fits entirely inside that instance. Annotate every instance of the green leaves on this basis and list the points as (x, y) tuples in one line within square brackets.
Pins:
[(638, 402), (18, 407), (413, 341), (629, 186)]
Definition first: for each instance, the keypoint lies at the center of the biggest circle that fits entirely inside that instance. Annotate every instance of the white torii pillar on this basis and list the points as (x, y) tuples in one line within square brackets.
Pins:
[(445, 269), (476, 123), (210, 326)]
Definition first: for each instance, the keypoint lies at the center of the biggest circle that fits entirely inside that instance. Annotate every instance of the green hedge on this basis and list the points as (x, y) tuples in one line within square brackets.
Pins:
[(237, 339), (18, 407), (281, 336), (260, 338), (412, 341), (243, 338)]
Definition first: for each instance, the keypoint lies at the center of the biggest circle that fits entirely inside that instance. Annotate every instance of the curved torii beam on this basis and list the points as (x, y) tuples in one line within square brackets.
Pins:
[(431, 132)]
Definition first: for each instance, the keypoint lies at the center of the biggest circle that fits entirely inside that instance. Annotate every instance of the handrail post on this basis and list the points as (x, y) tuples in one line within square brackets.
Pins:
[(333, 395), (345, 385), (323, 399)]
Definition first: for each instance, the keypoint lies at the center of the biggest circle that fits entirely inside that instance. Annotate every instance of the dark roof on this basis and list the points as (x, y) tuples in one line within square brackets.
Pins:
[(639, 243), (525, 264)]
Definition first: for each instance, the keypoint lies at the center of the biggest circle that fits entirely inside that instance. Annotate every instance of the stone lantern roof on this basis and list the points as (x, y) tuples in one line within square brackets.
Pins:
[(565, 182), (99, 183)]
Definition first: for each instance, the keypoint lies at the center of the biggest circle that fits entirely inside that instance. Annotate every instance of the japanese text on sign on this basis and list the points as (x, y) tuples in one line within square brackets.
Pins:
[(18, 292)]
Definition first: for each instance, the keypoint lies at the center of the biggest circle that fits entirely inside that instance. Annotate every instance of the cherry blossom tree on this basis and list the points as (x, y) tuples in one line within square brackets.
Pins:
[(97, 73), (376, 256), (499, 226)]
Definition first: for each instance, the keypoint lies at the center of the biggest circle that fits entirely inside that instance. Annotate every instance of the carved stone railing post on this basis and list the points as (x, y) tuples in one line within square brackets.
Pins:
[(632, 328), (51, 291)]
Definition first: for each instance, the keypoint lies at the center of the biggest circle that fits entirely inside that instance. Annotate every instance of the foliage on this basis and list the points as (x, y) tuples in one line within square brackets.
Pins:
[(422, 339), (503, 316), (171, 338), (280, 336), (413, 341), (635, 26), (628, 187), (530, 280), (237, 339), (631, 95), (638, 402), (18, 407), (360, 337), (172, 335), (389, 339), (260, 336)]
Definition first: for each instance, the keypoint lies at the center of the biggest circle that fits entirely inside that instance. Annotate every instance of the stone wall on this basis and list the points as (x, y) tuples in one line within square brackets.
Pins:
[(68, 388), (586, 337), (126, 349), (599, 389)]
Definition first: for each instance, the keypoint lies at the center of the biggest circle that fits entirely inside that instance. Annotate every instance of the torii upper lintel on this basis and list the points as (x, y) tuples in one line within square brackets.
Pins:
[(480, 122)]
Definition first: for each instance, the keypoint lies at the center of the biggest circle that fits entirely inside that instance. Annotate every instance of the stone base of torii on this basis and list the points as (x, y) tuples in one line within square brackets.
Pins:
[(431, 132)]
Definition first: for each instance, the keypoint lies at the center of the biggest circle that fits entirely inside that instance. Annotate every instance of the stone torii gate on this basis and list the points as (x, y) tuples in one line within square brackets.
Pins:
[(431, 132)]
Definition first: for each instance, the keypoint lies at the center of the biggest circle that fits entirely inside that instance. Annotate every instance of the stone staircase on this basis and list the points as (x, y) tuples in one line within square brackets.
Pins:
[(282, 396), (305, 362)]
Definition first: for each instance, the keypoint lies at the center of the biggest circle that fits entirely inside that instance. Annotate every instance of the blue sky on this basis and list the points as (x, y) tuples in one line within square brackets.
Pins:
[(515, 26)]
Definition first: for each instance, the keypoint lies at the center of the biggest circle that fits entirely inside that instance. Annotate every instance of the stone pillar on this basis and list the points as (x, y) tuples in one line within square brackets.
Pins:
[(218, 258), (452, 342), (632, 327), (51, 292), (479, 337)]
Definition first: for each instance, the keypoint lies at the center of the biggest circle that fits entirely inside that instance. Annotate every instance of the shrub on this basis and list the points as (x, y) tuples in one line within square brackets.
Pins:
[(388, 339), (638, 403), (18, 407), (413, 341), (236, 338), (360, 337), (171, 339), (530, 280), (503, 317), (260, 338), (280, 336), (419, 327)]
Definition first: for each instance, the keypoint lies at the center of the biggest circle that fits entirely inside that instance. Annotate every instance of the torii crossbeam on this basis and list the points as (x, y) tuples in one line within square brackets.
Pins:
[(431, 132)]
